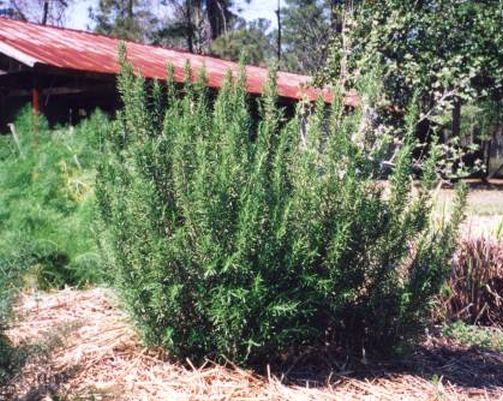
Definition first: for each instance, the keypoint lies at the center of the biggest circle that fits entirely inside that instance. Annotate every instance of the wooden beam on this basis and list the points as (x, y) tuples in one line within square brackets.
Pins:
[(68, 89)]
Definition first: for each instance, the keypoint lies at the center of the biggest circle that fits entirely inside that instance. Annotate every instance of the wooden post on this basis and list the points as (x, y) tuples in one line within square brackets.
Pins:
[(36, 109), (35, 100)]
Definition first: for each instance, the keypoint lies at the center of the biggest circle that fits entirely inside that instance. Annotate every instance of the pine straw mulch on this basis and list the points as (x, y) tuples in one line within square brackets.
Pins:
[(81, 347)]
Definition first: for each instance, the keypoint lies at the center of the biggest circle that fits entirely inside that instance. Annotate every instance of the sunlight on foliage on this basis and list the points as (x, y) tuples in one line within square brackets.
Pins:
[(46, 203), (256, 239)]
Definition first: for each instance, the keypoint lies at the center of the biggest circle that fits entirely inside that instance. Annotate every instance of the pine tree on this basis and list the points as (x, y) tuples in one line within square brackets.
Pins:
[(124, 19), (249, 40), (196, 23), (306, 32)]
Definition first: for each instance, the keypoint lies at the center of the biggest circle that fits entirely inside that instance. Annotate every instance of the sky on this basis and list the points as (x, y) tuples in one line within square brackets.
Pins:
[(78, 17)]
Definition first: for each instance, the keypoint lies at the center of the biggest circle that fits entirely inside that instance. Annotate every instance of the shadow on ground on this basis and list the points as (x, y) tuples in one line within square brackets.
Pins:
[(466, 367), (25, 359), (437, 359)]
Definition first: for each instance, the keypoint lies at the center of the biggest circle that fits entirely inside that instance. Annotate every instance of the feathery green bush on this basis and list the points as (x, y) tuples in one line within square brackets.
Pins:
[(256, 238), (47, 200)]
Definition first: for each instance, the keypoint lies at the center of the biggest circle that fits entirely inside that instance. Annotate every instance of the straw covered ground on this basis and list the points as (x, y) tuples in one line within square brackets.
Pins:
[(80, 346)]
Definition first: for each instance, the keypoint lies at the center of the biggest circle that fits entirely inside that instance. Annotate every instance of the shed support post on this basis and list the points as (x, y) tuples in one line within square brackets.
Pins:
[(35, 100), (36, 109)]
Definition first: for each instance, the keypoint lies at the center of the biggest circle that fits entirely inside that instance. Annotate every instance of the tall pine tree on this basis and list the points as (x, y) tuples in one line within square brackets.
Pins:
[(124, 19), (306, 32)]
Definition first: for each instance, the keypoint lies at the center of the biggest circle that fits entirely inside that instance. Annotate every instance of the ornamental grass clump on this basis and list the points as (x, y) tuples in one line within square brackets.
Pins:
[(254, 236), (474, 291)]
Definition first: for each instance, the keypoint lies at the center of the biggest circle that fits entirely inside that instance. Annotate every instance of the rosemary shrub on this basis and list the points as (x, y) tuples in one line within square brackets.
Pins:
[(232, 235)]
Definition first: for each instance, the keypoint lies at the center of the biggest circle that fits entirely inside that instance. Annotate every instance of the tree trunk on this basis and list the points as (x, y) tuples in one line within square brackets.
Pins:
[(278, 16), (45, 12), (487, 158), (217, 17), (456, 117), (498, 134), (190, 26), (130, 11), (335, 16)]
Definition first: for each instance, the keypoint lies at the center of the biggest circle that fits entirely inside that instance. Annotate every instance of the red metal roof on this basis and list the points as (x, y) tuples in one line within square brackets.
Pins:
[(69, 49)]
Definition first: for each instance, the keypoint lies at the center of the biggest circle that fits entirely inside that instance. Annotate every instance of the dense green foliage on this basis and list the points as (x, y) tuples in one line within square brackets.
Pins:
[(250, 41), (437, 48), (130, 19), (9, 277), (46, 202), (446, 53), (307, 29), (229, 236), (489, 338)]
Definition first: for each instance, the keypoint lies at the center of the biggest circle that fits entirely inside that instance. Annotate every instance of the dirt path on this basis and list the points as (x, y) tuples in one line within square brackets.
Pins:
[(81, 347)]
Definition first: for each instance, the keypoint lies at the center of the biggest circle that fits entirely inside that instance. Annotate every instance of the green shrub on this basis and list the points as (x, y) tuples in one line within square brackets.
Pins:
[(47, 202), (230, 236), (9, 280), (490, 338), (6, 281)]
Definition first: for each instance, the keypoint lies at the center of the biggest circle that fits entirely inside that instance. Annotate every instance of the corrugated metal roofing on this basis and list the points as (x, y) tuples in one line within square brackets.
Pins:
[(68, 49)]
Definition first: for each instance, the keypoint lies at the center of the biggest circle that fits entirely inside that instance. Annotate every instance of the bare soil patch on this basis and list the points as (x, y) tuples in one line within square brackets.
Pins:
[(88, 350)]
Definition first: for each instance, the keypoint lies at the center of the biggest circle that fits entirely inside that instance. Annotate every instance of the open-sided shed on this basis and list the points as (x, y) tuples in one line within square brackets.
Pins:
[(66, 72)]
